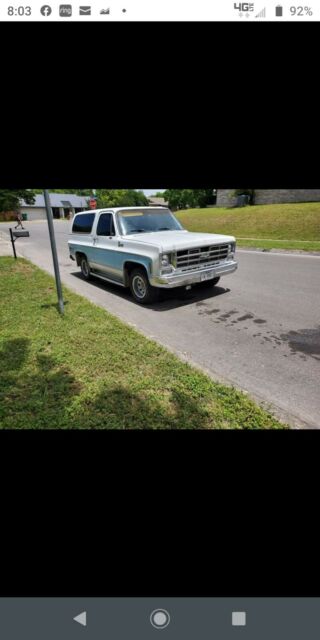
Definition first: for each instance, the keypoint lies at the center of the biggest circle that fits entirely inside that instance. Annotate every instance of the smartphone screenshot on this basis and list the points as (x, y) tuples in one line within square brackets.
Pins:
[(159, 322)]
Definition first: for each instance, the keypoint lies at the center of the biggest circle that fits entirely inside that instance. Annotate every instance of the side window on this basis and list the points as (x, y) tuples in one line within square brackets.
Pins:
[(83, 223), (105, 225)]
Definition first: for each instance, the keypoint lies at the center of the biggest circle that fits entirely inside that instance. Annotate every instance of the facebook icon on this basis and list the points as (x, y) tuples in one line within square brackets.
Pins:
[(45, 10)]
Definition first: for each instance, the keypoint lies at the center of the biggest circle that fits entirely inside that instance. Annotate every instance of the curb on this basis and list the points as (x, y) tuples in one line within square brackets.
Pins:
[(293, 252), (6, 247)]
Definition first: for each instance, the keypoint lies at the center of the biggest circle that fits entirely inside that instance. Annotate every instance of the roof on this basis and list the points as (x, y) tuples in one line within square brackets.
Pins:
[(159, 201), (59, 200), (115, 209)]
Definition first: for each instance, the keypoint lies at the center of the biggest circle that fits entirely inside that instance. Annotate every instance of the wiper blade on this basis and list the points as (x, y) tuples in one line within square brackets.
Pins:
[(164, 229), (137, 231)]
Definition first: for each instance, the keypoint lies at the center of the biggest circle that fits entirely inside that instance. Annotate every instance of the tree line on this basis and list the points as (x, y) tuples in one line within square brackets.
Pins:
[(10, 200), (189, 198)]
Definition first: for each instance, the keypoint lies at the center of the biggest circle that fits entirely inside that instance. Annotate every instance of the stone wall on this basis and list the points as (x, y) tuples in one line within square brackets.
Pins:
[(270, 196), (225, 198)]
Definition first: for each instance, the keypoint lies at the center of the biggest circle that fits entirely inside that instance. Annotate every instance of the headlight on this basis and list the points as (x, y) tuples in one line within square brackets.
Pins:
[(231, 247), (165, 260)]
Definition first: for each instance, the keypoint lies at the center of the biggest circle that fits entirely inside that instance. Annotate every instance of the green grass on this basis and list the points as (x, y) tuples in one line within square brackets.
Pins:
[(297, 226), (87, 369)]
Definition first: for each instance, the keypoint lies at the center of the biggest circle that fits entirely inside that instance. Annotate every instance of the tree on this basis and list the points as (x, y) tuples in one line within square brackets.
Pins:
[(10, 198), (204, 197), (183, 198), (120, 198)]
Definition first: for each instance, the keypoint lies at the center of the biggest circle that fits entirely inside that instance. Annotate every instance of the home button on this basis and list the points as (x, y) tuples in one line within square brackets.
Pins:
[(160, 618)]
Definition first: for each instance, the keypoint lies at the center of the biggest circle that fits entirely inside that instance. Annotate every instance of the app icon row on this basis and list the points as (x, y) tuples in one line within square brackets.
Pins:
[(65, 10)]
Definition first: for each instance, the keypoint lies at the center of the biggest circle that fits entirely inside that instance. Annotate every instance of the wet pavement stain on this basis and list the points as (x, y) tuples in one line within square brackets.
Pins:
[(259, 321), (228, 314), (306, 341), (247, 316), (208, 313)]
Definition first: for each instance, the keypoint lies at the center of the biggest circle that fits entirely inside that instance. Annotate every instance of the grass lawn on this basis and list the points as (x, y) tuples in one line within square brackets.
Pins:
[(87, 369), (278, 226)]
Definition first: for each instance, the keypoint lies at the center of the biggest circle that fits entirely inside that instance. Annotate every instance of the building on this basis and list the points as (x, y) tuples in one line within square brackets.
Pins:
[(225, 197), (62, 205), (157, 202)]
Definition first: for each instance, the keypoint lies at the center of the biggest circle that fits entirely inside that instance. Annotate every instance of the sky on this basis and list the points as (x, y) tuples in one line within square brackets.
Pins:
[(150, 192)]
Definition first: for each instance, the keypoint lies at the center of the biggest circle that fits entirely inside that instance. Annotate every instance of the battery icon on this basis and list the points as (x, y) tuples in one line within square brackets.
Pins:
[(279, 11)]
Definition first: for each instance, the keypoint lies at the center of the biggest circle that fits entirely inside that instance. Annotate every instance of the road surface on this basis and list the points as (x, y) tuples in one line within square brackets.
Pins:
[(259, 330)]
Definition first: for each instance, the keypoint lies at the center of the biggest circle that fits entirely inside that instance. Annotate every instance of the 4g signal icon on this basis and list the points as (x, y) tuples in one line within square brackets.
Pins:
[(243, 7)]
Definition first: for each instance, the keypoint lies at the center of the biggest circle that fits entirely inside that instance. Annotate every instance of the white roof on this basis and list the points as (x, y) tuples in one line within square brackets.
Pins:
[(115, 209)]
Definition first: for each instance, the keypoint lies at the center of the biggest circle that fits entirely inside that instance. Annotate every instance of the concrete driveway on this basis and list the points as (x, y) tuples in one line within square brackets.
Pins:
[(259, 330)]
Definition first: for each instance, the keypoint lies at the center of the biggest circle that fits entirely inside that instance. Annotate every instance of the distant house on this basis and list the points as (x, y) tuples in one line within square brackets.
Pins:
[(63, 204), (157, 202)]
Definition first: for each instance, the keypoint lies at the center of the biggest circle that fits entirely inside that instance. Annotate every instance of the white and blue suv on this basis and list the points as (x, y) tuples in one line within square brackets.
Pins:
[(147, 249)]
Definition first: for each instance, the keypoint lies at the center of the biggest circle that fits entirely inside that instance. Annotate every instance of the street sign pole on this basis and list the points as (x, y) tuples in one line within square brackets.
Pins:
[(54, 250)]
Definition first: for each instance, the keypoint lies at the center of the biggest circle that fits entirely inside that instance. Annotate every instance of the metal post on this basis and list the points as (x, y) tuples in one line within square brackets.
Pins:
[(13, 247), (54, 249)]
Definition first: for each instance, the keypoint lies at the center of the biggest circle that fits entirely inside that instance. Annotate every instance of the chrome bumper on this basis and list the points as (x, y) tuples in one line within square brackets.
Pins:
[(171, 280)]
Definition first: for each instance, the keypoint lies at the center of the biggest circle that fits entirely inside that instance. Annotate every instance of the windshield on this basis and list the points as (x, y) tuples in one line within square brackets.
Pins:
[(146, 221)]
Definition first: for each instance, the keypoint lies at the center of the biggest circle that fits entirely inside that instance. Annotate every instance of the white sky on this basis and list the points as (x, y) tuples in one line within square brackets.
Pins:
[(150, 192)]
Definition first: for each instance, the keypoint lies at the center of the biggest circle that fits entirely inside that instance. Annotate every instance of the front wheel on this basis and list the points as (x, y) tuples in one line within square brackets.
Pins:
[(141, 288)]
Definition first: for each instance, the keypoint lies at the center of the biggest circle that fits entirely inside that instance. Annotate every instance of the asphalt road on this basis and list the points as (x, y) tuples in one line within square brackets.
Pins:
[(259, 330)]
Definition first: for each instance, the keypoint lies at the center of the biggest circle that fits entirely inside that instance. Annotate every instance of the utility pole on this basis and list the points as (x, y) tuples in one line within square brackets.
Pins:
[(54, 250)]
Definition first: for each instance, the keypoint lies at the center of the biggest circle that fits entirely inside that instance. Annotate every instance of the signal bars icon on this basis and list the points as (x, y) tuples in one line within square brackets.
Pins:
[(262, 14)]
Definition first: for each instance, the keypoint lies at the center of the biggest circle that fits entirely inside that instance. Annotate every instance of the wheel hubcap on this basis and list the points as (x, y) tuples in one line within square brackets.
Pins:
[(139, 287)]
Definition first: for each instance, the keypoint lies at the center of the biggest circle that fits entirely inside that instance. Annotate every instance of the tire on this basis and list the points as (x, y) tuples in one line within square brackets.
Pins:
[(210, 283), (141, 288), (85, 269)]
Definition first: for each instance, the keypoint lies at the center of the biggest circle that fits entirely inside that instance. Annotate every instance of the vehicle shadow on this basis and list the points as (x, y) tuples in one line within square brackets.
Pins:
[(168, 299)]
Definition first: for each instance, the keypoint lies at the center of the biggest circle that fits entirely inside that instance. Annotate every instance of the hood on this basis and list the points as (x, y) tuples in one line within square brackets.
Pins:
[(177, 240)]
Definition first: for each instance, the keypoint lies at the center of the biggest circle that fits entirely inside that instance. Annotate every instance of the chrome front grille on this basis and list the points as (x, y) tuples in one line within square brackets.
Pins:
[(189, 259)]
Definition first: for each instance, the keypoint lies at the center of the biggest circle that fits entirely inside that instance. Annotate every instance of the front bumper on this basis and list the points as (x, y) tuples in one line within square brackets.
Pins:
[(182, 279)]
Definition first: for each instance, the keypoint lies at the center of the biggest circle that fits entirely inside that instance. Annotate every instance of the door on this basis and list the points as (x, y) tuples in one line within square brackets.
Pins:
[(106, 256)]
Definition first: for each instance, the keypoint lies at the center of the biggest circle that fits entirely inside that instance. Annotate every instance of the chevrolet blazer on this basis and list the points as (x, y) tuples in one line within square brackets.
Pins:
[(147, 249)]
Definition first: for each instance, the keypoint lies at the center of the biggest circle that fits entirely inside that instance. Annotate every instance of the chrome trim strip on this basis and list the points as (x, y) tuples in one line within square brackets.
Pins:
[(97, 275)]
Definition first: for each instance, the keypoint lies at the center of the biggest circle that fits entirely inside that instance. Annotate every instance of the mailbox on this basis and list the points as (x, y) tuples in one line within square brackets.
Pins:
[(21, 234), (17, 234)]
